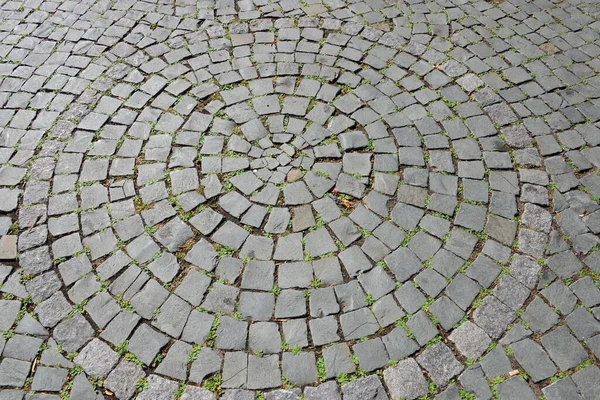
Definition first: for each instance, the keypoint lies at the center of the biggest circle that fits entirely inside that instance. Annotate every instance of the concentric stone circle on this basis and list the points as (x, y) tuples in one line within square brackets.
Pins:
[(280, 199)]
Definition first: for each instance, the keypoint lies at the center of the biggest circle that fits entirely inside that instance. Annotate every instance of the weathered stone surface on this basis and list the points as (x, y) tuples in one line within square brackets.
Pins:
[(441, 364), (97, 358), (73, 333), (405, 380), (122, 380), (220, 187)]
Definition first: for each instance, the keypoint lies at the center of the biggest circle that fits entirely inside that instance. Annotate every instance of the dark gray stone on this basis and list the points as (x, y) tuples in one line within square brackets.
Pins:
[(533, 359)]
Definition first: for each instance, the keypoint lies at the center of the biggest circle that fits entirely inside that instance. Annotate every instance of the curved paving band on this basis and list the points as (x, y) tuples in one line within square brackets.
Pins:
[(255, 199)]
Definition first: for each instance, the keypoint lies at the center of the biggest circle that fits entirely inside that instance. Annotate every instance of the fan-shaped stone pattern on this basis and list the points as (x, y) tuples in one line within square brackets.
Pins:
[(254, 196)]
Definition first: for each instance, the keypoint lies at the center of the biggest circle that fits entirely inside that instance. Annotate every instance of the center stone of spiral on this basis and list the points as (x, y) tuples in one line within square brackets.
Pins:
[(272, 162)]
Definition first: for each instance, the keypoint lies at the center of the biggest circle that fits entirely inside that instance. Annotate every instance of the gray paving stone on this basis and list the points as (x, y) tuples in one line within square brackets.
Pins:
[(515, 334), (207, 362), (376, 282), (318, 243), (235, 369), (221, 298), (146, 343), (424, 245), (51, 356), (422, 327), (447, 313), (430, 282), (97, 358), (462, 291), (359, 323), (386, 311), (120, 327), (237, 394), (121, 381), (264, 337), (231, 334), (323, 330), (582, 323), (230, 235), (539, 315), (49, 379), (493, 316), (406, 380), (73, 333), (173, 234), (371, 354), (441, 364), (322, 302), (263, 372), (13, 372), (515, 386), (149, 299), (206, 221), (586, 381), (9, 309), (474, 381), (172, 316), (83, 388), (258, 275), (22, 347), (31, 326), (483, 270), (295, 275), (158, 387), (197, 327), (403, 263), (496, 363), (511, 292), (563, 348), (533, 359), (470, 340), (325, 390), (11, 394), (174, 365), (364, 388), (300, 369), (256, 306), (338, 360), (587, 292), (561, 389), (202, 255)]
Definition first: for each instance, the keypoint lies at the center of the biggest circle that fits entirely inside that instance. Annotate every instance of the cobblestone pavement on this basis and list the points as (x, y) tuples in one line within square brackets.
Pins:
[(288, 199)]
